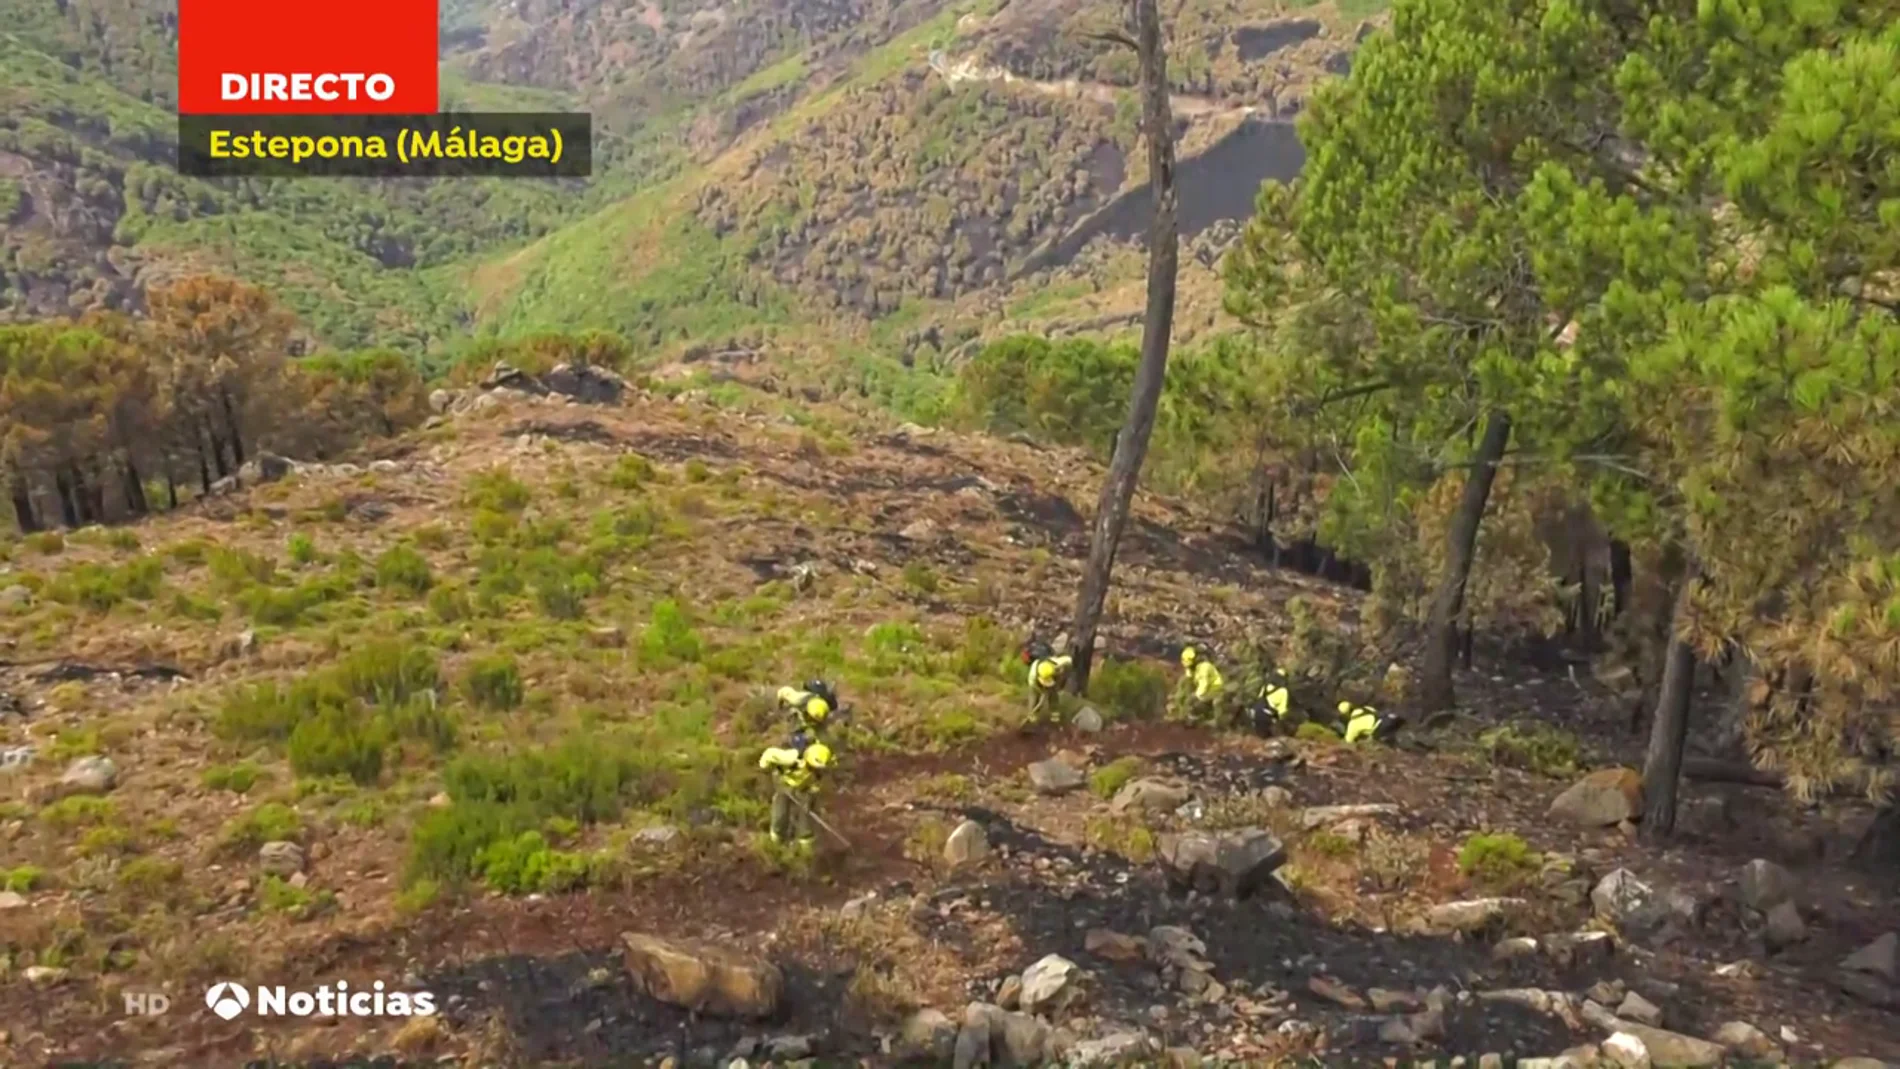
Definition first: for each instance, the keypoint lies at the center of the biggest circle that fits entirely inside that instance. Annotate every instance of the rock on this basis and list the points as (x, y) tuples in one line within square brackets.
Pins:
[(585, 383), (1474, 915), (1747, 1040), (1858, 1063), (1621, 898), (1148, 796), (1414, 1028), (440, 400), (15, 597), (920, 531), (703, 978), (788, 1048), (1665, 1048), (42, 975), (1232, 863), (857, 907), (1049, 984), (1785, 927), (1323, 815), (1172, 945), (11, 900), (1335, 992), (265, 468), (1385, 1001), (1880, 957), (88, 775), (1088, 720), (1557, 1004), (1602, 798), (1181, 1058), (1054, 776), (928, 1035), (440, 800), (1636, 1008), (1765, 885), (280, 858), (1491, 1061), (1625, 1051), (1579, 949), (657, 837), (606, 638), (1869, 988), (1276, 797), (1514, 949), (1009, 995), (1025, 1040), (1114, 946), (972, 1047), (1117, 1048), (968, 844), (1607, 992), (16, 758)]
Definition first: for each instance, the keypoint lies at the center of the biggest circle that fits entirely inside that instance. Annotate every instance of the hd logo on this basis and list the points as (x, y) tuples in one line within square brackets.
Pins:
[(228, 1000)]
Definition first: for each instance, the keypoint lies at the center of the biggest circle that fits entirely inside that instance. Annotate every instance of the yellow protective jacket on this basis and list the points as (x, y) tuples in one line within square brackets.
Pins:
[(1047, 673), (1207, 680), (790, 768), (1361, 720), (810, 709), (1278, 699)]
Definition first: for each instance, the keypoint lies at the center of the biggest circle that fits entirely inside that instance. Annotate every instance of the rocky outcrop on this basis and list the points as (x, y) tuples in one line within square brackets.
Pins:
[(703, 978), (1231, 863)]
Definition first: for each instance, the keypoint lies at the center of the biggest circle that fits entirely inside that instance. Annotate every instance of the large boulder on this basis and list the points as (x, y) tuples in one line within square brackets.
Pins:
[(1880, 957), (929, 1035), (1149, 796), (1232, 863), (1054, 776), (1050, 983), (1116, 1048), (968, 844), (585, 383), (1765, 885), (88, 775), (1602, 798), (1474, 915), (703, 978), (281, 858)]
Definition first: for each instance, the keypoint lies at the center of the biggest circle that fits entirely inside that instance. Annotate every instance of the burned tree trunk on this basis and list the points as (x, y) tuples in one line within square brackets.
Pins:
[(68, 503), (1435, 691), (1669, 728), (1131, 445), (23, 511), (1620, 575)]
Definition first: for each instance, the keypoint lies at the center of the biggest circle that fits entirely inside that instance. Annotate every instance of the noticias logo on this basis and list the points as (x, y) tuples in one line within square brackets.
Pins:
[(305, 86), (228, 1000)]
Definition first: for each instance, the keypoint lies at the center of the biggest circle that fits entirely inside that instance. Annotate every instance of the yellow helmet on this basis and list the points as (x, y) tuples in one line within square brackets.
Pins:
[(1345, 708), (817, 708), (818, 755), (1188, 656)]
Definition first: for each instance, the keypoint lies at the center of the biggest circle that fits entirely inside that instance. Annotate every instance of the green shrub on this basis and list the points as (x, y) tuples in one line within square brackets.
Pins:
[(23, 879), (335, 743), (100, 587), (526, 864), (985, 646), (189, 551), (404, 570), (491, 527), (498, 491), (669, 635), (1534, 748), (302, 549), (1129, 689), (238, 778), (696, 471), (150, 876), (1112, 777), (449, 604), (432, 536), (105, 841), (45, 543), (494, 682), (268, 823), (1499, 860), (631, 471), (1315, 732), (79, 811), (236, 570), (920, 577), (423, 720)]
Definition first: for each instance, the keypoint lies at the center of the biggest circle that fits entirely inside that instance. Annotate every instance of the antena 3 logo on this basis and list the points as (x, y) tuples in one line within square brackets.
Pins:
[(228, 1000), (338, 57)]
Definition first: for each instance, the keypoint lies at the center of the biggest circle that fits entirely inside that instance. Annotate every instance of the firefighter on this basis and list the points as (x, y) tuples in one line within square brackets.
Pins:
[(810, 709), (796, 769), (1199, 696), (1271, 711), (1047, 675), (1360, 722)]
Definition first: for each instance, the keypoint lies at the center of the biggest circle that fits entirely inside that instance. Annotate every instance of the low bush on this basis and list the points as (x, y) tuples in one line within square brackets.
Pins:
[(494, 682), (402, 569), (1129, 689), (1498, 860)]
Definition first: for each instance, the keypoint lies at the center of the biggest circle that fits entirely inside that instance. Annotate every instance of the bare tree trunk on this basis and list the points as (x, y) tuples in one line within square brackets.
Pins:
[(1448, 604), (171, 486), (135, 502), (1669, 728), (1131, 445), (231, 424), (1620, 575), (23, 512), (68, 510)]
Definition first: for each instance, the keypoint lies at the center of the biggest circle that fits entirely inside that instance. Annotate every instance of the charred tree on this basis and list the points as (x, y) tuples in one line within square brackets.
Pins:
[(1669, 728), (1131, 445), (1441, 650)]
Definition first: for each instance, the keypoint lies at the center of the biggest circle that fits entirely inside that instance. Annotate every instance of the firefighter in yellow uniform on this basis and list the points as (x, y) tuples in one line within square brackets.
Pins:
[(1199, 697), (1271, 710), (1362, 722), (796, 769), (810, 708), (1047, 674)]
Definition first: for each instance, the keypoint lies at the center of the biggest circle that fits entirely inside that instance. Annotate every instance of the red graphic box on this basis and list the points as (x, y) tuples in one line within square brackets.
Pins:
[(307, 57)]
